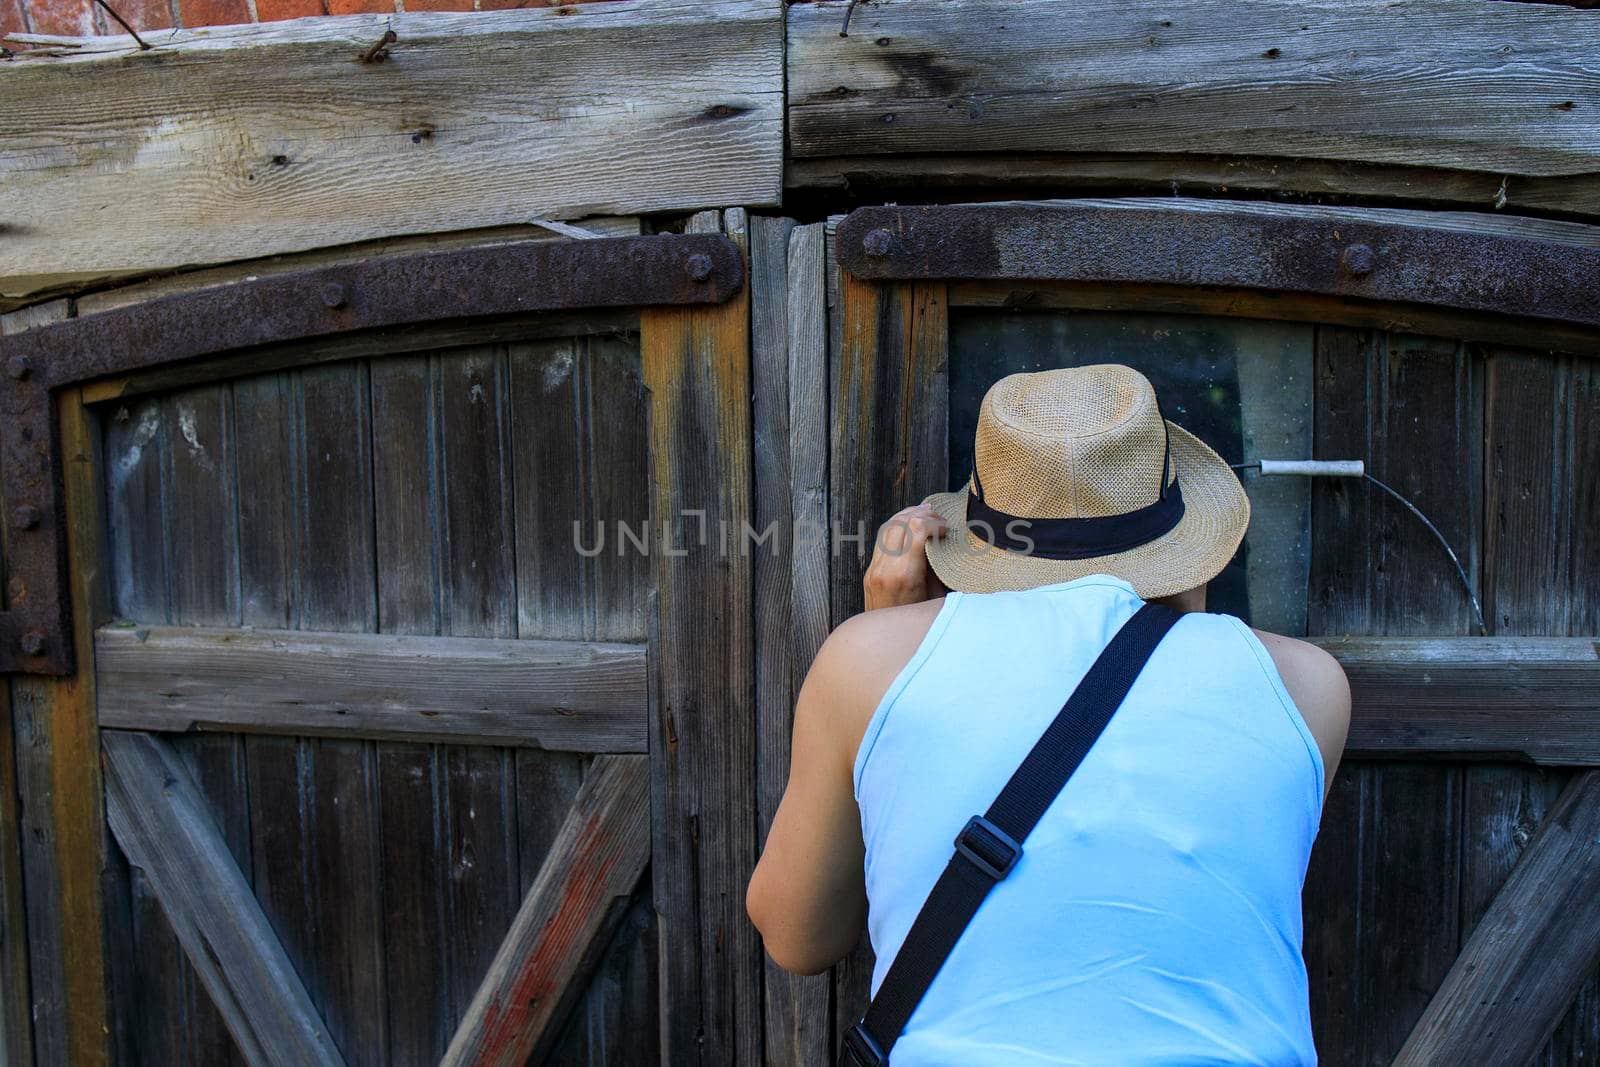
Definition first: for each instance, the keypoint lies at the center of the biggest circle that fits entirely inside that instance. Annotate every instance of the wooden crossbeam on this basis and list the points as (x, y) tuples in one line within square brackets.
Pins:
[(563, 695), (690, 115), (1525, 961), (1532, 698), (161, 822), (992, 76), (593, 866)]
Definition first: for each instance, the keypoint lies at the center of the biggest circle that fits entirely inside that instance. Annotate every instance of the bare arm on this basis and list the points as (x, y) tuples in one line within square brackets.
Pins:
[(1320, 690)]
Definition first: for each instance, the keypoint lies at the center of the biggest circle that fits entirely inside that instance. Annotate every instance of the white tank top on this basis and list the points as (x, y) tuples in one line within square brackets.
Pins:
[(1154, 917)]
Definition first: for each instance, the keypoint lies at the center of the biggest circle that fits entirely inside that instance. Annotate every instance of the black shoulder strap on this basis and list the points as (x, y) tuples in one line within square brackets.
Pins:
[(990, 844)]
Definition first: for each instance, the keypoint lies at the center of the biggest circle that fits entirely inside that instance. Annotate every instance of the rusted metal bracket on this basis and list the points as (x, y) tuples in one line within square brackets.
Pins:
[(508, 279), (1388, 256)]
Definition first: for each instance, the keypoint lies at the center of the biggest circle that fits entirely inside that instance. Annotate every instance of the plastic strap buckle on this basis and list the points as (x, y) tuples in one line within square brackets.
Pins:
[(861, 1049), (987, 847)]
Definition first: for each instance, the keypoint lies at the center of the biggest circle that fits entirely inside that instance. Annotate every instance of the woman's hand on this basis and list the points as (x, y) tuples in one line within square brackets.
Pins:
[(899, 571)]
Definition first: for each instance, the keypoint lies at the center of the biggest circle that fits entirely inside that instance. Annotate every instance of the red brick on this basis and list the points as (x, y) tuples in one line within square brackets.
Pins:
[(67, 18), (11, 18), (212, 12), (141, 15), (438, 5), (360, 7), (278, 10)]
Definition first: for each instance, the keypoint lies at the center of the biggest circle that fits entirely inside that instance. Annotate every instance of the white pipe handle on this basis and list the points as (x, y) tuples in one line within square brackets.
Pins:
[(1315, 468)]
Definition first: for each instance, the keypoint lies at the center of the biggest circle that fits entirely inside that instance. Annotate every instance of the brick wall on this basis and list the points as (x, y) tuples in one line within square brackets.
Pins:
[(79, 18)]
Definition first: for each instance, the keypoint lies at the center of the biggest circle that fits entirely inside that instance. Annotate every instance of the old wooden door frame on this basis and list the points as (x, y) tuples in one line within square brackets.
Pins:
[(903, 269), (693, 321)]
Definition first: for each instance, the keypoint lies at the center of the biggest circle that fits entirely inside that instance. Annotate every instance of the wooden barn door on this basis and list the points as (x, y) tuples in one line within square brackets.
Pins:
[(378, 628), (1451, 895)]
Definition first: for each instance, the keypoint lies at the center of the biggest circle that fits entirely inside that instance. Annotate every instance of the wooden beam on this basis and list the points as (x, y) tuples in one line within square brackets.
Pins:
[(1533, 698), (162, 824), (1535, 946), (1363, 81), (61, 824), (593, 865), (901, 177), (568, 696), (232, 142), (696, 366)]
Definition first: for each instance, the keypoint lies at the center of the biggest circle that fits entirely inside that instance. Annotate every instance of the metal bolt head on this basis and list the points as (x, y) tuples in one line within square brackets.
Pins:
[(26, 517), (335, 295), (32, 642), (19, 367), (878, 243), (699, 267), (1359, 260)]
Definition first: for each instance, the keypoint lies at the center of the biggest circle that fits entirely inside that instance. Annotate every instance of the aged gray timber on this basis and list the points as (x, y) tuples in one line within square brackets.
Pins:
[(696, 366), (562, 695), (787, 429), (1531, 952), (243, 141), (163, 825), (1532, 698), (594, 863), (1460, 84)]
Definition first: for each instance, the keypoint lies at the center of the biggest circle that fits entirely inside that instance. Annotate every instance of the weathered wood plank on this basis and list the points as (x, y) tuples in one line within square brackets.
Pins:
[(1358, 81), (62, 823), (889, 448), (580, 433), (569, 696), (596, 860), (798, 1009), (338, 151), (163, 825), (1519, 697), (1383, 891), (1540, 569), (1537, 943), (696, 365), (448, 820), (904, 177), (314, 801), (16, 1027)]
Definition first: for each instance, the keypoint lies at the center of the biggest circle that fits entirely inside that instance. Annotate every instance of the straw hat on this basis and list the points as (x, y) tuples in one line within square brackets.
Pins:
[(1077, 473)]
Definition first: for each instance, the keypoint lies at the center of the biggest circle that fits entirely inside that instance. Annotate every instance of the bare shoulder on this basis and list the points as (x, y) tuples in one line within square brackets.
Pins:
[(860, 660), (1317, 684)]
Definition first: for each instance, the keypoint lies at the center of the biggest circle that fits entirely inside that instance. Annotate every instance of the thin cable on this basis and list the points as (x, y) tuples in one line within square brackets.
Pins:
[(1461, 572)]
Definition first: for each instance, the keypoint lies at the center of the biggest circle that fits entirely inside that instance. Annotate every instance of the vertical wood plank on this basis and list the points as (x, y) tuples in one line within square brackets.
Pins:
[(579, 437), (60, 823), (313, 802), (1541, 565), (890, 444), (696, 364), (890, 448), (412, 783), (58, 777), (16, 1027), (790, 366), (199, 511), (481, 887), (1383, 891)]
